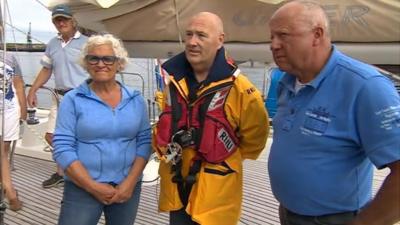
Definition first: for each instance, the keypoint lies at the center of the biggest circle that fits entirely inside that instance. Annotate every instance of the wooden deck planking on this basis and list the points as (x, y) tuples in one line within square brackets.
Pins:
[(41, 206)]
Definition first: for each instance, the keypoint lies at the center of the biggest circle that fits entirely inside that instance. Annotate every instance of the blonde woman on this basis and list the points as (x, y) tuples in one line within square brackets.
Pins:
[(102, 140)]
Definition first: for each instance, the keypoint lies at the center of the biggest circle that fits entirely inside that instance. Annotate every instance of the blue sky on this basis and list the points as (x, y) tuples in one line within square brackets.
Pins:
[(24, 11)]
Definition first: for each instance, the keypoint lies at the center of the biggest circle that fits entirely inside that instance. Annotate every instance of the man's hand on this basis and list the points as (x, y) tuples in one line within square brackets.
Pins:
[(32, 98), (42, 77)]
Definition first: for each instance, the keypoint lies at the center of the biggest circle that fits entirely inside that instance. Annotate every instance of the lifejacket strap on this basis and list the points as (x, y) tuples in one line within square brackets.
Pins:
[(176, 109), (185, 185), (190, 180)]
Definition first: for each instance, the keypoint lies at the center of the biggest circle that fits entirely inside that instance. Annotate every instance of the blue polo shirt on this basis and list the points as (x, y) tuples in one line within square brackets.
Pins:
[(327, 135), (63, 59)]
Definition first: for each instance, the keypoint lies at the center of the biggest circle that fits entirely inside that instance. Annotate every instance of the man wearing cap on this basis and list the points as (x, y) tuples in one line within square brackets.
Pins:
[(61, 59)]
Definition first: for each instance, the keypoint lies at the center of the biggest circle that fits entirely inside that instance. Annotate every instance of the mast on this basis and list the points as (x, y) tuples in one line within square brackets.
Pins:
[(29, 38), (3, 89)]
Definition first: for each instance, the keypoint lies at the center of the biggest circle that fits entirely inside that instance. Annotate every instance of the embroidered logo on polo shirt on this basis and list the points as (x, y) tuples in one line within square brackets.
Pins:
[(316, 121), (390, 117)]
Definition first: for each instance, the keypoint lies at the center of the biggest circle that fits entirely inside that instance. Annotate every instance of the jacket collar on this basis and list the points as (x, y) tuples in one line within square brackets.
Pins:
[(222, 68), (84, 89)]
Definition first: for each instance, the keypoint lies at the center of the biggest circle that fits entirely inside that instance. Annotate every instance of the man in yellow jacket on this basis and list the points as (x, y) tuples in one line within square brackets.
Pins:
[(212, 119)]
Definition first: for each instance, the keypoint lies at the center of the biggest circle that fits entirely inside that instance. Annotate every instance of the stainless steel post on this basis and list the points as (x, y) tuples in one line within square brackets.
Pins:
[(3, 88)]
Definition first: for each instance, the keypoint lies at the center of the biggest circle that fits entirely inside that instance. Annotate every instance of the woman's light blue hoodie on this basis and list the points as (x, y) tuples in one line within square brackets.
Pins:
[(105, 140)]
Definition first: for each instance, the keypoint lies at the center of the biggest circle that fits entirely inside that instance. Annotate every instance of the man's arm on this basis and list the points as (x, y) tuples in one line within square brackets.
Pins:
[(253, 119), (385, 207), (42, 77), (377, 122), (20, 89)]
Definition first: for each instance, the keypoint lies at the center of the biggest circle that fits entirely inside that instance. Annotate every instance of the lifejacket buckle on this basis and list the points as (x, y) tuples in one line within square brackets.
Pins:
[(174, 153), (184, 138)]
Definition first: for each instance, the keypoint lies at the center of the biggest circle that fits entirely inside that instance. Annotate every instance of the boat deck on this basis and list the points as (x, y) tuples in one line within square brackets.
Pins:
[(41, 206)]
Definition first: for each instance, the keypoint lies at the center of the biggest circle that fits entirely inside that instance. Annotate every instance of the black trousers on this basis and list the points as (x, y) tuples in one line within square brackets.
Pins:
[(290, 218), (180, 217)]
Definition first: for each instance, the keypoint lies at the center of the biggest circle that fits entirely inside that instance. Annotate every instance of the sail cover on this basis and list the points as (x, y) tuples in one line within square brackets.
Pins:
[(355, 25)]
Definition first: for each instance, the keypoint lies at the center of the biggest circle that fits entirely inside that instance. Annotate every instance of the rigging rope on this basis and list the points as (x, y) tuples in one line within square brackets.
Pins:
[(15, 28), (44, 6), (178, 24), (24, 33), (9, 17)]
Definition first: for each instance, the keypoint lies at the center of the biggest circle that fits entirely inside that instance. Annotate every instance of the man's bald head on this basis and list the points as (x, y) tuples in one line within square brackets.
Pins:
[(306, 14), (210, 17), (300, 42), (204, 37)]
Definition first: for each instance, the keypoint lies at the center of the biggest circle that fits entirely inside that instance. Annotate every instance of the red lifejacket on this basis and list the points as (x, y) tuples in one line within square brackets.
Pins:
[(201, 124)]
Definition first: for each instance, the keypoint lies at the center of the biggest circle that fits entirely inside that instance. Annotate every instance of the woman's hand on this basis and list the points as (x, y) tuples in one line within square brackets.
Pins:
[(123, 192), (126, 188), (103, 193)]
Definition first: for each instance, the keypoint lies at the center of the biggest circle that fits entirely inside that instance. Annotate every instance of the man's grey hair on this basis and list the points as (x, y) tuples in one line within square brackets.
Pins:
[(314, 14)]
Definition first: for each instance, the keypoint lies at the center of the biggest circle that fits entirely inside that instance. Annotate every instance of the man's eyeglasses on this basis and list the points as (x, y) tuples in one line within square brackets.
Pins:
[(108, 60)]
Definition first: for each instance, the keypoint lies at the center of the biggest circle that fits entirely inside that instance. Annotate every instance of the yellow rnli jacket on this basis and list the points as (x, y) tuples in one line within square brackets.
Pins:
[(216, 199)]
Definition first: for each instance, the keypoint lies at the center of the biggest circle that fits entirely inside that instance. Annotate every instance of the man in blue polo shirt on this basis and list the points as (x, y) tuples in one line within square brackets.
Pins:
[(61, 59), (337, 118)]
